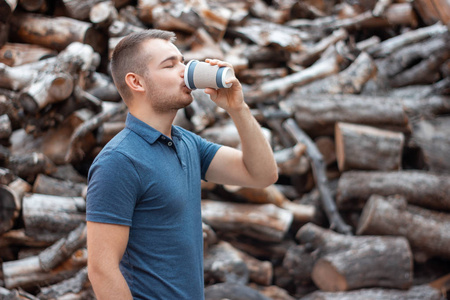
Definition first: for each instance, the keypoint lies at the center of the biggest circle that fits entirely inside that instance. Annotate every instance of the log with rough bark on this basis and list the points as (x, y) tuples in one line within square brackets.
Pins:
[(299, 263), (29, 165), (318, 166), (10, 207), (223, 263), (291, 160), (333, 260), (56, 262), (55, 32), (282, 86), (418, 187), (393, 44), (368, 148), (376, 262), (433, 138), (318, 114), (48, 217), (230, 290), (265, 222), (52, 186), (7, 7), (75, 151), (348, 81), (14, 78), (420, 292), (72, 288), (428, 237), (271, 194), (16, 54)]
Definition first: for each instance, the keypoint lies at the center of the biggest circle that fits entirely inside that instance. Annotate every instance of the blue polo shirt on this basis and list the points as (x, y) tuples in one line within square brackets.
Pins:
[(145, 180)]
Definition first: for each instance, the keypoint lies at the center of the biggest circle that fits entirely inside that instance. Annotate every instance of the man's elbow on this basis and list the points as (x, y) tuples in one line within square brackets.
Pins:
[(269, 179)]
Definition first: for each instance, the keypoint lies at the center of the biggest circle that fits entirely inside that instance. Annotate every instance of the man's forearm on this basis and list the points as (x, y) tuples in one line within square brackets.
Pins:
[(257, 152), (109, 285)]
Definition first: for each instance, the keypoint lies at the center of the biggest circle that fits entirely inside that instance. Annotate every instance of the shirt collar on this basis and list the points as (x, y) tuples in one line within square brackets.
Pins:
[(147, 132)]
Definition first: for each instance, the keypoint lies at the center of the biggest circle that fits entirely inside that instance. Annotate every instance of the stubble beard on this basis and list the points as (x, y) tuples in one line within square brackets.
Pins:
[(163, 103)]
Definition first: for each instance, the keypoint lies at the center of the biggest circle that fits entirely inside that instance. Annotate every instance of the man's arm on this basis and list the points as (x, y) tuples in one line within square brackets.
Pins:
[(255, 165), (106, 245)]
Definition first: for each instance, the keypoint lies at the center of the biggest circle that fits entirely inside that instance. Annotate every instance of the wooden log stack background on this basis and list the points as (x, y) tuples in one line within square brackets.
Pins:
[(353, 95)]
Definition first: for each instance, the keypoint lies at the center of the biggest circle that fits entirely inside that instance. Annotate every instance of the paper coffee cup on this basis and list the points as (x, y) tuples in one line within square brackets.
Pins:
[(201, 75)]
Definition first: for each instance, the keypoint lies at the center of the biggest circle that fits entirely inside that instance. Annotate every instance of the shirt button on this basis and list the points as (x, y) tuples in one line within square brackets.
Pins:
[(163, 137), (169, 144)]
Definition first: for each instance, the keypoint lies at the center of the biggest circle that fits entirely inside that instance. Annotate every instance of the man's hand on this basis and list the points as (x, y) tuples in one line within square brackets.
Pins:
[(254, 165), (230, 99)]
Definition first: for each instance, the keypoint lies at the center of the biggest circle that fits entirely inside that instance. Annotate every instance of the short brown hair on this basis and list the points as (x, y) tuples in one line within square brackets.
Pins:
[(128, 57)]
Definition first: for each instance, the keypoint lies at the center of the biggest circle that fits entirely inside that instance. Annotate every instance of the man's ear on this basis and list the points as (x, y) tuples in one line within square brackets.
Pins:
[(134, 82)]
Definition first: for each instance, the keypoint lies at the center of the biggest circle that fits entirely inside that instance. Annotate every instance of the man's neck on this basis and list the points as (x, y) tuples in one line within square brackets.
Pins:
[(159, 121)]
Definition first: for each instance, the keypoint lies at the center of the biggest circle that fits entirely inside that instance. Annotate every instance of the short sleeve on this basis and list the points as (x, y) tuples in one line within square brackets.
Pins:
[(113, 189), (207, 151)]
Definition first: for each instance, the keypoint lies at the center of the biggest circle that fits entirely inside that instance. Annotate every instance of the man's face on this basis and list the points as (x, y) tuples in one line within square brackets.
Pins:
[(164, 79)]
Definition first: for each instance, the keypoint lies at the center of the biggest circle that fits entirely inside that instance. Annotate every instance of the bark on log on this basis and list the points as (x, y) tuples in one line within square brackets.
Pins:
[(415, 293), (318, 166), (34, 5), (79, 9), (7, 7), (312, 53), (5, 127), (108, 130), (51, 186), (299, 262), (322, 248), (418, 187), (260, 272), (103, 14), (368, 148), (428, 236), (14, 78), (75, 150), (49, 217), (102, 87), (378, 262), (235, 291), (224, 264), (273, 292), (264, 222), (433, 138), (55, 32), (15, 294), (264, 33), (10, 207), (271, 194), (349, 81), (18, 238), (318, 114), (29, 165), (283, 85), (27, 272), (291, 160), (50, 88), (393, 44), (69, 286), (16, 54), (54, 255)]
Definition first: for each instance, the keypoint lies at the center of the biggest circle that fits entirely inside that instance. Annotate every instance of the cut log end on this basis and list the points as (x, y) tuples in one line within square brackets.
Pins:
[(327, 277), (366, 216)]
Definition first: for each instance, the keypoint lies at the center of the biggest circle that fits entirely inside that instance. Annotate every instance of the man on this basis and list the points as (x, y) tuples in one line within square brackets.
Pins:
[(143, 203)]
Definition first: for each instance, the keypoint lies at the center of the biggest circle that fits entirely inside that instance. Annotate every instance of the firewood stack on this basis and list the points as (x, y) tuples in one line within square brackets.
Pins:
[(353, 95)]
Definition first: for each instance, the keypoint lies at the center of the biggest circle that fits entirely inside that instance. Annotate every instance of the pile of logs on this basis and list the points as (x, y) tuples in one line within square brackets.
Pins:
[(353, 96)]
